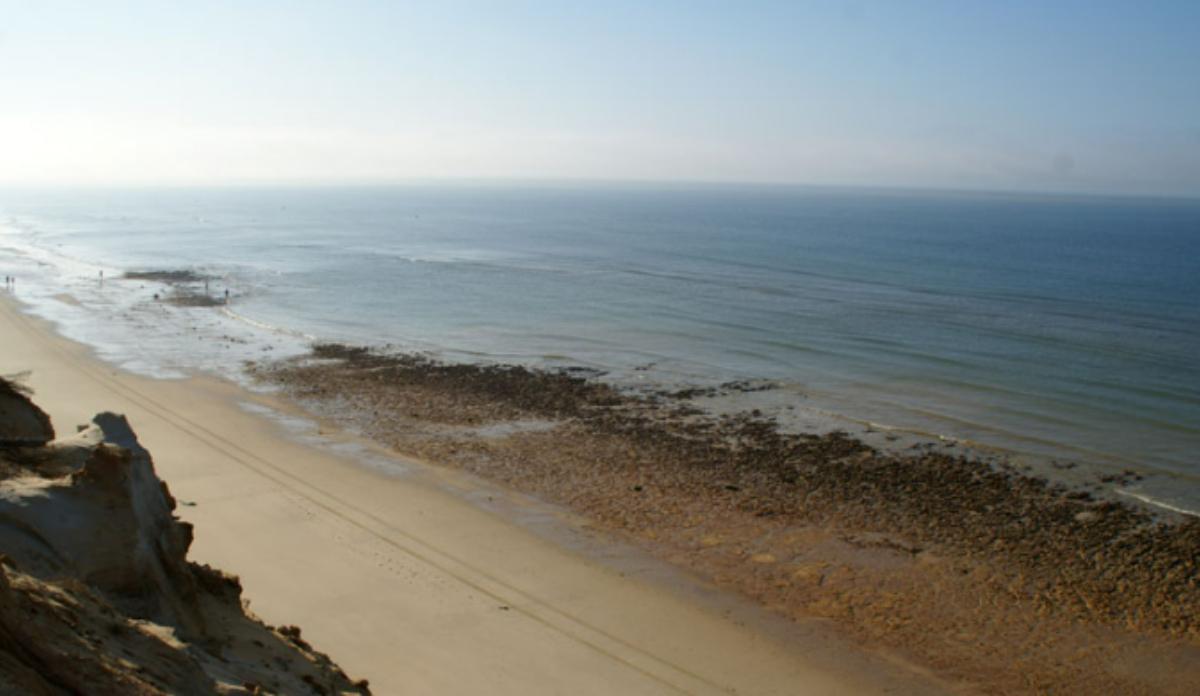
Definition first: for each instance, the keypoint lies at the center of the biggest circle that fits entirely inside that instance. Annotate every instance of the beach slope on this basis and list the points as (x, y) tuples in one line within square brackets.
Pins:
[(412, 587)]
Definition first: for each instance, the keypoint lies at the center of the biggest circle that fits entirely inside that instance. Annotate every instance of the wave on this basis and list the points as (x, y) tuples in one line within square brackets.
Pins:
[(258, 324), (1155, 502)]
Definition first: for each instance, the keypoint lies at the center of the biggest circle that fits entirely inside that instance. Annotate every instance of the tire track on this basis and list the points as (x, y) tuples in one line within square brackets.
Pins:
[(348, 512)]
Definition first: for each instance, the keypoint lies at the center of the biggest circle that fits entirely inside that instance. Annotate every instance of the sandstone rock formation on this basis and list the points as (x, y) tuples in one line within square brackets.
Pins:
[(96, 593), (21, 421)]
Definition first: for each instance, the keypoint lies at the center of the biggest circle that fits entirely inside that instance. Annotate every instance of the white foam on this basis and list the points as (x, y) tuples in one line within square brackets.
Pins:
[(1154, 502), (124, 322)]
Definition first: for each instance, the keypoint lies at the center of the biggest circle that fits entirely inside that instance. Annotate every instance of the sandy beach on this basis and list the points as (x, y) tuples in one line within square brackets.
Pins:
[(417, 589)]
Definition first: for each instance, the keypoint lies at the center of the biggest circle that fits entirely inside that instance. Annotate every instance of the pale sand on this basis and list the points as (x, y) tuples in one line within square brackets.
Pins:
[(414, 587)]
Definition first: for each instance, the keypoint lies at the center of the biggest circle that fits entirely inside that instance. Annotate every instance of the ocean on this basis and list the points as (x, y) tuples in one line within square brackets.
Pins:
[(1048, 327)]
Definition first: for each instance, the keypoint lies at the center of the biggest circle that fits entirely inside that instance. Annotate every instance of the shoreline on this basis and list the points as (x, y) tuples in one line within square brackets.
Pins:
[(413, 588), (207, 339), (217, 341)]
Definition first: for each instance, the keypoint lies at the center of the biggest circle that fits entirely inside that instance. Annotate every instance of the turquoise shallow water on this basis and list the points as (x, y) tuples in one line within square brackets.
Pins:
[(1064, 327)]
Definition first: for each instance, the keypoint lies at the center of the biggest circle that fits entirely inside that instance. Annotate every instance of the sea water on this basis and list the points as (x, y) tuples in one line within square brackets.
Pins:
[(1060, 327)]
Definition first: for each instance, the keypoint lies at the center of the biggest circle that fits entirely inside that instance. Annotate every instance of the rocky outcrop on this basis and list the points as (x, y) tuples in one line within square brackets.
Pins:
[(96, 593), (102, 516), (22, 423)]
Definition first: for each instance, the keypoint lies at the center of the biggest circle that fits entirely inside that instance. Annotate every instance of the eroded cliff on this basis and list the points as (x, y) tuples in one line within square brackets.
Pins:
[(96, 593)]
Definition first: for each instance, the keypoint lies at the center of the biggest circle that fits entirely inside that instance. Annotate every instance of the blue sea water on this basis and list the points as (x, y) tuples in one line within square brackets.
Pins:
[(1063, 327)]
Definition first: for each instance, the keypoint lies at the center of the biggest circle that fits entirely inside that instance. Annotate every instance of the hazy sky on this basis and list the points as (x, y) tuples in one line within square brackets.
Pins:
[(1097, 96)]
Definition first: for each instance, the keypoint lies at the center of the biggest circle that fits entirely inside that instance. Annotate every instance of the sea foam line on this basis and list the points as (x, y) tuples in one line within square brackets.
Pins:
[(266, 326), (1158, 503)]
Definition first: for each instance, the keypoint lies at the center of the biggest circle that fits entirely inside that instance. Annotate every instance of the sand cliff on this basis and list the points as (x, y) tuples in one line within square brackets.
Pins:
[(96, 593)]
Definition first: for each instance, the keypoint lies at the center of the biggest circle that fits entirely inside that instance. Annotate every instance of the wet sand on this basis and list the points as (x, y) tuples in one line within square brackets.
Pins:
[(989, 577), (423, 591)]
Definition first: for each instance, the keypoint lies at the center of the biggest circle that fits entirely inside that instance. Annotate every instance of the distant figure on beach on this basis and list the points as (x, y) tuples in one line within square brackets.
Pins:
[(102, 277), (226, 295)]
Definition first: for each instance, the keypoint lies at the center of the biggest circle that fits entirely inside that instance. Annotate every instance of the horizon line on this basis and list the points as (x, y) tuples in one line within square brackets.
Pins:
[(582, 182)]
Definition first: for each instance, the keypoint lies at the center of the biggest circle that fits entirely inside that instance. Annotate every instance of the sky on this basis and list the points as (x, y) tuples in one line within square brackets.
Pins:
[(1099, 96)]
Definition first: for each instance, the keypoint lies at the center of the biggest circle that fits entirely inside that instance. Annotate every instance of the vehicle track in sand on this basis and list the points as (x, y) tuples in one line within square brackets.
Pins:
[(667, 674)]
